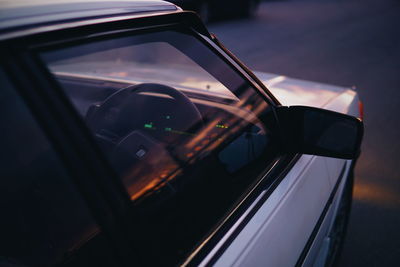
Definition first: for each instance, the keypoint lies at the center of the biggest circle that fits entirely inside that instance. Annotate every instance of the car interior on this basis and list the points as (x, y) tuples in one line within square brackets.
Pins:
[(175, 147)]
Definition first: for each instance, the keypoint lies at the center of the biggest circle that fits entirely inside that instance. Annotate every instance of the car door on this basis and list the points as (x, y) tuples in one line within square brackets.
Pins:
[(280, 229), (193, 142), (188, 134)]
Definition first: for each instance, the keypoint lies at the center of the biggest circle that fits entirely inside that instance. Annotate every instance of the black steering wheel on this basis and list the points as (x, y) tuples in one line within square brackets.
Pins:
[(135, 125), (154, 108)]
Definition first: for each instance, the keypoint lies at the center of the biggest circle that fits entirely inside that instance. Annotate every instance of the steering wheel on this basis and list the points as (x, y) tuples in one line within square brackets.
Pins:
[(135, 124), (154, 108)]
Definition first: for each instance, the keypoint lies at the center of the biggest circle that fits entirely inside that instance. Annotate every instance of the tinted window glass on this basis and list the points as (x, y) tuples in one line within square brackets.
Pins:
[(44, 221), (186, 133)]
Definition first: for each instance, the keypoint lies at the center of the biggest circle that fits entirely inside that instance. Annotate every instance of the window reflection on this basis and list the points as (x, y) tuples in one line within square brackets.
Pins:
[(185, 132)]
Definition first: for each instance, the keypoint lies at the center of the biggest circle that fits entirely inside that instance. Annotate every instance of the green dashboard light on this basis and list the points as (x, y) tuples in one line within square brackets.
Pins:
[(148, 125), (168, 129), (222, 126)]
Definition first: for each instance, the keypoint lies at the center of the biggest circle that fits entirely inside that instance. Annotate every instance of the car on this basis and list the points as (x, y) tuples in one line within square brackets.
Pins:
[(132, 137), (219, 9)]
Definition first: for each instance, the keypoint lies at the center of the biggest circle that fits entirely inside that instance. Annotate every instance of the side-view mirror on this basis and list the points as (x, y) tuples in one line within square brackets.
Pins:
[(315, 131)]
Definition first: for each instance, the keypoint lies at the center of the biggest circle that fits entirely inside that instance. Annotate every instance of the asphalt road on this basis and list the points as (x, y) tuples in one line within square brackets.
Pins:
[(342, 42)]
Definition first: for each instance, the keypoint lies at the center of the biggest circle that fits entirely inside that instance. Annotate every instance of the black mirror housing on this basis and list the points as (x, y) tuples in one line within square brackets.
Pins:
[(309, 130)]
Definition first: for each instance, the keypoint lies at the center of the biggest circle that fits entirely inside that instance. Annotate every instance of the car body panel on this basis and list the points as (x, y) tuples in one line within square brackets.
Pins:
[(20, 19), (290, 92), (319, 249), (279, 227), (17, 14)]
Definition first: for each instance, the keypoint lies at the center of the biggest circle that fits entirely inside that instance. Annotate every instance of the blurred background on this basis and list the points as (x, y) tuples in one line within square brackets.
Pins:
[(340, 42)]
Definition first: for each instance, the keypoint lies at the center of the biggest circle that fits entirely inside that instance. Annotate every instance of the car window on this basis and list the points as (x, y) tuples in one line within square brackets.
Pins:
[(44, 221), (185, 132)]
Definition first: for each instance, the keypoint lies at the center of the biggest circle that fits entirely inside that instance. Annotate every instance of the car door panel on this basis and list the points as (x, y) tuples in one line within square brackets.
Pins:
[(318, 250), (278, 232), (334, 167)]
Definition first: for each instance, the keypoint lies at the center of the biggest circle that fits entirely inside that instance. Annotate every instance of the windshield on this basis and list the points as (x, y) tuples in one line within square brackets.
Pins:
[(185, 132)]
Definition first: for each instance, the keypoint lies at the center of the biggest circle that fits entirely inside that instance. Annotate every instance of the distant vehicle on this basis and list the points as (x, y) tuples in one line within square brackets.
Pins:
[(217, 9), (132, 137)]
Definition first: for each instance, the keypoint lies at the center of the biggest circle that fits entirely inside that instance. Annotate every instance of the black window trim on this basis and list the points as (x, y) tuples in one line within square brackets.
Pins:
[(246, 72)]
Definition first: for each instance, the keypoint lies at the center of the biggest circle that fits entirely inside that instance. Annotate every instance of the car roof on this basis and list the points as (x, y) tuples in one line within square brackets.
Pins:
[(19, 14)]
